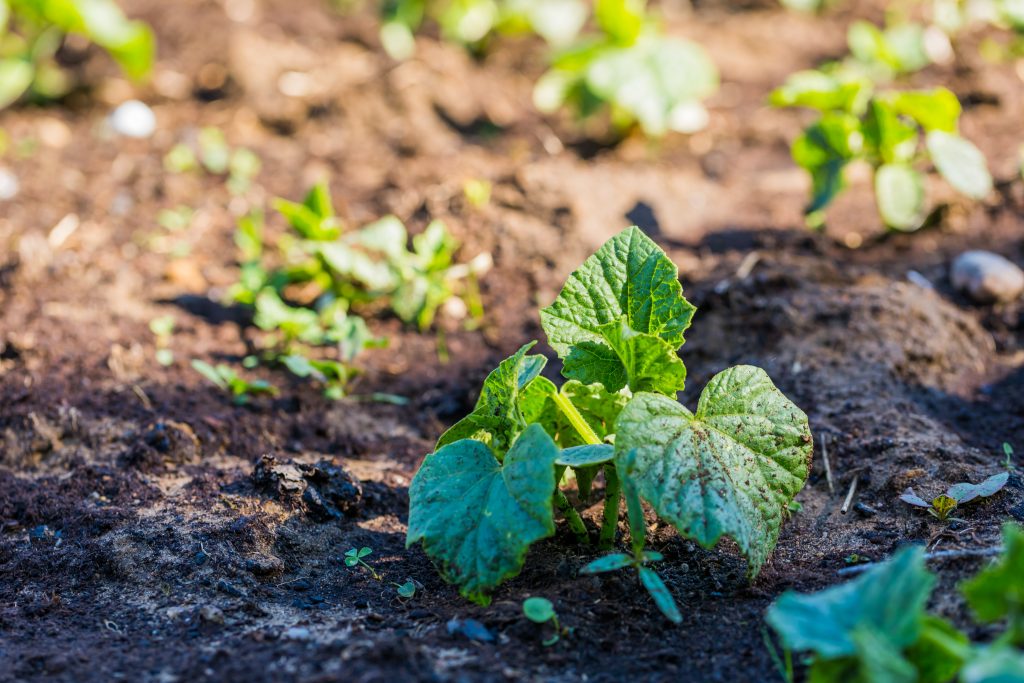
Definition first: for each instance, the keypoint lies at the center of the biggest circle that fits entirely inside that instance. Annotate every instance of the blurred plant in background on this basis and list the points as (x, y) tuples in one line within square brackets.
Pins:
[(624, 64), (303, 293), (32, 33)]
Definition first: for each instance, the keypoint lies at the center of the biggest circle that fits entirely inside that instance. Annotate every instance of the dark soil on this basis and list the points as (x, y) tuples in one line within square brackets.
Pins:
[(150, 530)]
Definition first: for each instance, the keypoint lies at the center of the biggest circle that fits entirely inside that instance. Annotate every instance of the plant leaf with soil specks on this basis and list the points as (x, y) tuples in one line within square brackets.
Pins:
[(960, 163), (478, 517), (966, 491), (889, 600), (497, 419), (643, 362), (730, 469), (628, 277)]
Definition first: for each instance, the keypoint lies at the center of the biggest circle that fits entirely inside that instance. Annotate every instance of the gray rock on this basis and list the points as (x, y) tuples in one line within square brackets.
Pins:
[(133, 119), (987, 277), (297, 633), (211, 614), (9, 185)]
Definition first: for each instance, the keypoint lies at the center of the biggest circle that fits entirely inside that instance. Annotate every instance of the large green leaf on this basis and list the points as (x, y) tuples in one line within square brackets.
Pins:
[(960, 163), (478, 517), (628, 278), (888, 600), (497, 419), (728, 469), (937, 109), (643, 362), (998, 591)]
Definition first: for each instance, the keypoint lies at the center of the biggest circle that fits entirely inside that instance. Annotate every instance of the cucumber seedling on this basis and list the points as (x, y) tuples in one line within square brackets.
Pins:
[(491, 488), (896, 133)]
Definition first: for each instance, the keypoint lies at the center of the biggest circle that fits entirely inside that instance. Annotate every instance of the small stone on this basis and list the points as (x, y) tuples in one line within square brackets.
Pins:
[(297, 633), (214, 615), (987, 277), (230, 589), (9, 185), (470, 628), (133, 119), (264, 565)]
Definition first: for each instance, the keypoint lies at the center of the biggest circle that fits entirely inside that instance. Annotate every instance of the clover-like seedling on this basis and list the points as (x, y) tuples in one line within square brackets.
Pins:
[(943, 505), (354, 557), (492, 485), (541, 611), (405, 590)]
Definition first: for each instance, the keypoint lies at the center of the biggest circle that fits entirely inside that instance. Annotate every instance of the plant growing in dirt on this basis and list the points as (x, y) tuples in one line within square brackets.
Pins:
[(884, 130), (627, 67), (492, 486), (32, 32), (958, 494), (354, 558), (224, 377), (876, 628), (302, 294), (474, 23), (541, 611), (632, 69), (213, 154)]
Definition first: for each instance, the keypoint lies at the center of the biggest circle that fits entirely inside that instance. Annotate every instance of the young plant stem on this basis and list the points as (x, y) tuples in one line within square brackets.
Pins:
[(572, 517), (581, 426), (610, 521)]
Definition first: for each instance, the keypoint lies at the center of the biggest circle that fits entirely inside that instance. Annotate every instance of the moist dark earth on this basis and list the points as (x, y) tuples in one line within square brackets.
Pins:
[(150, 530)]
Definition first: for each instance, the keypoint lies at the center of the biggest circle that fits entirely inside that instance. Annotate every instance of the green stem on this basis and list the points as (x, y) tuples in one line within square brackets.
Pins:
[(572, 517), (575, 419), (610, 523), (635, 514)]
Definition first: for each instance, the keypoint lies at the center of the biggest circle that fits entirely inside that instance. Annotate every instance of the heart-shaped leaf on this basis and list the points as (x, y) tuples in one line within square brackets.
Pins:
[(478, 517), (728, 469)]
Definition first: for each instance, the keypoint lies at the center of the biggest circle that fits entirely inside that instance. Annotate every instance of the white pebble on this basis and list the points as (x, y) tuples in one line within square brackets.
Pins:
[(987, 277), (133, 119), (8, 185), (296, 633)]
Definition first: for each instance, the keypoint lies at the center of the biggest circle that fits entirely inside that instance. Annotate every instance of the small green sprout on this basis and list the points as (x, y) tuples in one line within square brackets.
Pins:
[(648, 577), (177, 219), (228, 380), (217, 157), (541, 611), (405, 590), (354, 557), (162, 328), (1008, 452), (943, 505), (477, 192), (180, 159)]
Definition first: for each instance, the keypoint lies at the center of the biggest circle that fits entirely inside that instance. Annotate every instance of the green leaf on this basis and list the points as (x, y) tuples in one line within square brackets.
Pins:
[(821, 91), (210, 373), (621, 20), (15, 77), (478, 517), (497, 419), (658, 82), (891, 137), (598, 407), (899, 191), (729, 469), (643, 362), (937, 109), (629, 277), (318, 200), (880, 661), (888, 600), (998, 591), (966, 492), (662, 597), (538, 610), (608, 563), (587, 455), (994, 664), (960, 163), (939, 652)]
